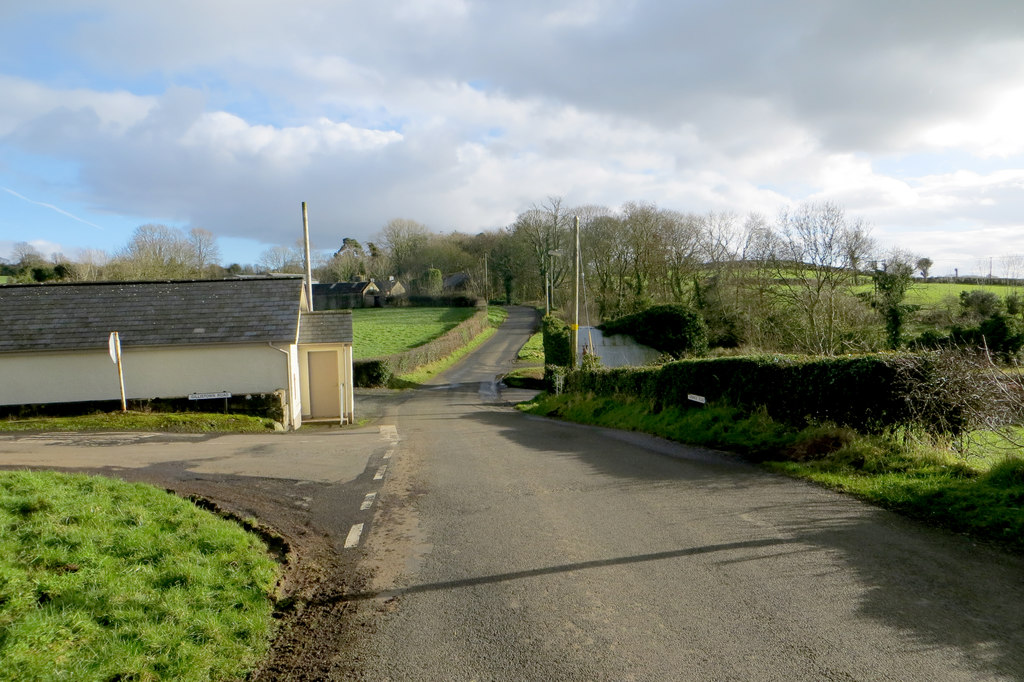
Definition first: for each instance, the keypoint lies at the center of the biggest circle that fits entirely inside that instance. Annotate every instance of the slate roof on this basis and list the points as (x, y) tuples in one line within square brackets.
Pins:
[(387, 286), (325, 326), (455, 281), (81, 316), (344, 288)]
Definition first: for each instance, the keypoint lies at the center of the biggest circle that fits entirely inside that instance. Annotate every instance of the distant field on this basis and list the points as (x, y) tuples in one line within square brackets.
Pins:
[(930, 294), (383, 331)]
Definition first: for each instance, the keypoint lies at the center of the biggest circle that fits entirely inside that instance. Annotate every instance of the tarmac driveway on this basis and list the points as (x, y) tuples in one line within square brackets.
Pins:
[(308, 490), (313, 454)]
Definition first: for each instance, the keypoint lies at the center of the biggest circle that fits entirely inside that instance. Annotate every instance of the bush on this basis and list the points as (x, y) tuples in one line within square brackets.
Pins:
[(672, 329), (557, 342), (372, 373)]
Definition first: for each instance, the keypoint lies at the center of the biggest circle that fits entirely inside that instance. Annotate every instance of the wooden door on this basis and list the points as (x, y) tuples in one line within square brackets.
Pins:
[(324, 396)]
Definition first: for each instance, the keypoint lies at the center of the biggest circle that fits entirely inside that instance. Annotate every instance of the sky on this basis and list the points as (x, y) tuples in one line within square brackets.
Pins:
[(461, 114)]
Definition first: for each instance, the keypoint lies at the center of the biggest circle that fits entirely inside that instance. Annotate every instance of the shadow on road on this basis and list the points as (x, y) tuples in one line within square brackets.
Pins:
[(935, 588), (564, 568)]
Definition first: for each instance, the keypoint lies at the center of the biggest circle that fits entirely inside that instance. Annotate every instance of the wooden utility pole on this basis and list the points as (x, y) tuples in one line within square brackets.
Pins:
[(309, 264), (576, 317)]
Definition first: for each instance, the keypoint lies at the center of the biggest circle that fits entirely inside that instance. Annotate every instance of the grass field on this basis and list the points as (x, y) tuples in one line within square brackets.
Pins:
[(181, 422), (384, 331), (105, 580), (932, 294)]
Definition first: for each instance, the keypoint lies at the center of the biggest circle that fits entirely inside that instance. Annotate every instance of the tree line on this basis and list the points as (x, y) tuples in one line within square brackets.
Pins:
[(812, 279)]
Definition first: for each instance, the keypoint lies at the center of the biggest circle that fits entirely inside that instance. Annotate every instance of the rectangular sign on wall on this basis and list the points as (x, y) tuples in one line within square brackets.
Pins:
[(208, 396)]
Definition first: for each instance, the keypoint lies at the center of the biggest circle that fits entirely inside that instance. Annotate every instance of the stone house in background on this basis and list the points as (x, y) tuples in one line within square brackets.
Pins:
[(392, 289), (342, 295)]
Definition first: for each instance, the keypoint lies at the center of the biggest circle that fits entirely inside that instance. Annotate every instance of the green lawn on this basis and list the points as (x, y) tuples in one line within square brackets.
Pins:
[(105, 580), (385, 331)]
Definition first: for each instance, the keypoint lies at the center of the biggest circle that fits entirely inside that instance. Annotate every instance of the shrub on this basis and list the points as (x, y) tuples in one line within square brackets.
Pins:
[(672, 329), (372, 373), (557, 341), (999, 334)]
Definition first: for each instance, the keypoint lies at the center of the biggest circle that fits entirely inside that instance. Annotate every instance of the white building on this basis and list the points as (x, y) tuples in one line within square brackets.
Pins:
[(178, 338)]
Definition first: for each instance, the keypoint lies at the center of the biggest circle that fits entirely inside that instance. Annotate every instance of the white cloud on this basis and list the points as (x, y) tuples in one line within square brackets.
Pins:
[(293, 145), (995, 130), (24, 101), (460, 113)]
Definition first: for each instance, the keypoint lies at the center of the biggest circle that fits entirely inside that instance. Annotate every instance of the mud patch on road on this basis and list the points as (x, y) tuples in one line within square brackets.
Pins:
[(398, 546)]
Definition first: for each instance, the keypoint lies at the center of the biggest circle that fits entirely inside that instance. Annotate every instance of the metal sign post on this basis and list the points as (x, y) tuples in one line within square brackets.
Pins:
[(114, 346)]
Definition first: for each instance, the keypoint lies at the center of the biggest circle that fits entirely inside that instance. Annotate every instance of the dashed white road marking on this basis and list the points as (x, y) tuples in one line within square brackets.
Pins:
[(368, 501), (353, 536), (389, 453), (390, 431), (380, 473)]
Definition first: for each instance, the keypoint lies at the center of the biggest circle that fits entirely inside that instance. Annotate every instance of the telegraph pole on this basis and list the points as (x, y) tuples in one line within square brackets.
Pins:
[(576, 317), (309, 265)]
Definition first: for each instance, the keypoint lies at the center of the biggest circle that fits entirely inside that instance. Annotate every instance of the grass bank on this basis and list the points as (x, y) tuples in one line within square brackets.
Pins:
[(386, 331), (981, 496), (529, 370), (105, 580), (180, 422)]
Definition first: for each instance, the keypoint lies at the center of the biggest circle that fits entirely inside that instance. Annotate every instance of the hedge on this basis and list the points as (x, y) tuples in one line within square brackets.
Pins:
[(670, 328), (557, 337), (869, 393), (374, 372)]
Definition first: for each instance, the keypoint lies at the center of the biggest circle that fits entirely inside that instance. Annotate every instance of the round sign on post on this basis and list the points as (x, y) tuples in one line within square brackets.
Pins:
[(114, 344)]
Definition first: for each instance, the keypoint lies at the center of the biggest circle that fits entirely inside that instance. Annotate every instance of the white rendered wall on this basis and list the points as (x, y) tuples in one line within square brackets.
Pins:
[(27, 378)]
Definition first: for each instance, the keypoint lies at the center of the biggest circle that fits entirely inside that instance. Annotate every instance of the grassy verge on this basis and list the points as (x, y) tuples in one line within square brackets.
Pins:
[(495, 316), (104, 580), (530, 373), (980, 496), (385, 331), (181, 422), (533, 349)]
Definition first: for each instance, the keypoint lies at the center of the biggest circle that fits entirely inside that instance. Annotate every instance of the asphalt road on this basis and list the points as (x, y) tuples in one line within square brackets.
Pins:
[(507, 547)]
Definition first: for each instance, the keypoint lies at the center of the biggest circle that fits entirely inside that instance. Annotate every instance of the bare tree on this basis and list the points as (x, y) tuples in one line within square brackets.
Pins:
[(683, 241), (154, 252), (26, 256), (606, 260), (282, 259), (544, 232), (404, 241), (205, 251), (809, 256)]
